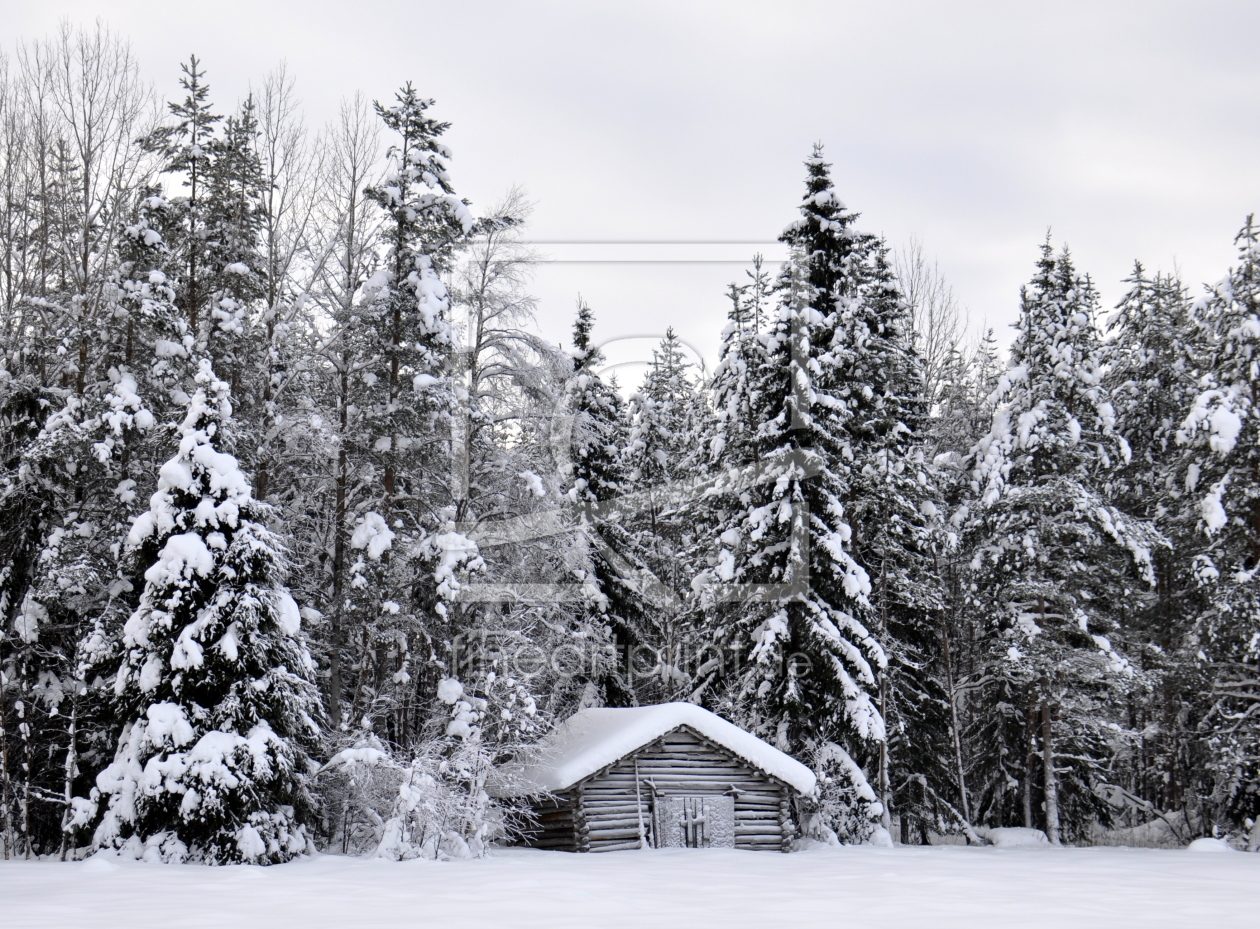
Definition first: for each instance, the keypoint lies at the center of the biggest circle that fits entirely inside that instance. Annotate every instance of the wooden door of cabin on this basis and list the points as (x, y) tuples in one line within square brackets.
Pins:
[(695, 822)]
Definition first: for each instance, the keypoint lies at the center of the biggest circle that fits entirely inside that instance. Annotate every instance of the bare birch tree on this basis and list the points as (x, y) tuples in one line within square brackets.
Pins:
[(289, 203), (349, 157), (940, 321)]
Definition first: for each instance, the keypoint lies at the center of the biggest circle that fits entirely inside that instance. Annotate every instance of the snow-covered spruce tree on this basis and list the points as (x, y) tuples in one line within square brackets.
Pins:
[(89, 459), (213, 230), (186, 151), (787, 604), (1222, 477), (961, 412), (1055, 566), (1150, 379), (1152, 375), (659, 441), (29, 510), (960, 417), (667, 416), (595, 479), (235, 276), (69, 169), (729, 454), (409, 551), (66, 489), (892, 509), (729, 457), (731, 432), (215, 684)]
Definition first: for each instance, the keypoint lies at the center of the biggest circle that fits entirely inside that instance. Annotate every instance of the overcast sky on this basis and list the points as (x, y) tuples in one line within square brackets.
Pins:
[(1132, 129)]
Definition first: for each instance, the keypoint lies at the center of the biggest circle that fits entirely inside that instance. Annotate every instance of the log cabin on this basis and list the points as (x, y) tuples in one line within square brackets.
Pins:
[(670, 775)]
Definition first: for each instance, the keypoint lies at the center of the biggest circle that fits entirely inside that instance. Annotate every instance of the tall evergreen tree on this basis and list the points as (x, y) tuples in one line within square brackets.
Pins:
[(801, 661), (234, 274), (404, 579), (1223, 478), (215, 684), (659, 440), (662, 456), (1152, 374), (894, 515), (81, 472), (186, 149), (410, 390), (1054, 562), (741, 360), (596, 480)]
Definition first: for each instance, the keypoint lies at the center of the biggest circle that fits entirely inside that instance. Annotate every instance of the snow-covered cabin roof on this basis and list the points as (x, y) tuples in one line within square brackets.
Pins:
[(594, 738)]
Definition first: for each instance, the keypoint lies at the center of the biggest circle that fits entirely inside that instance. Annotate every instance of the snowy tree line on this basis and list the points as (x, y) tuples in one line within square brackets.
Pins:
[(305, 529)]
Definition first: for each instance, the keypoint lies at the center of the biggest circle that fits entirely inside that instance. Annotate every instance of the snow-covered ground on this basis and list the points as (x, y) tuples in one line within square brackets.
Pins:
[(939, 887)]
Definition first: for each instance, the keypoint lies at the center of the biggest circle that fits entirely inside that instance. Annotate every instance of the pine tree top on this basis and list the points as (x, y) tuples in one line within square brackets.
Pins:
[(185, 142), (582, 328), (1054, 418)]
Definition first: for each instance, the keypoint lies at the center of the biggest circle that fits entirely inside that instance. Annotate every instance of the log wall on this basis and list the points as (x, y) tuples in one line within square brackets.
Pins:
[(554, 824)]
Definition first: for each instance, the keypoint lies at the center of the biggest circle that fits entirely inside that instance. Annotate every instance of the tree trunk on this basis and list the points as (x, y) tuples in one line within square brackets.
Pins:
[(72, 768), (28, 766), (335, 683), (885, 818), (367, 665), (5, 792), (1030, 755), (1047, 751), (953, 723), (884, 789), (396, 341)]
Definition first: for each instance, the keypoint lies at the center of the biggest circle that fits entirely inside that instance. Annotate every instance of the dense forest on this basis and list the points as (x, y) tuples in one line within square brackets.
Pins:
[(305, 528)]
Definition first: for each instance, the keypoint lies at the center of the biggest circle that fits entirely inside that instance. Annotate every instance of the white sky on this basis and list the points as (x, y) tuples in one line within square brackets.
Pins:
[(1130, 128)]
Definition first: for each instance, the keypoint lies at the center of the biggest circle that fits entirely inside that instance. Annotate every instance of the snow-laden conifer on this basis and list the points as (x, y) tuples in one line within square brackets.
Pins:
[(660, 440), (235, 276), (741, 361), (185, 147), (789, 607), (79, 477), (1054, 562), (1152, 377), (215, 686), (893, 510), (664, 457), (407, 552), (1222, 479), (595, 480)]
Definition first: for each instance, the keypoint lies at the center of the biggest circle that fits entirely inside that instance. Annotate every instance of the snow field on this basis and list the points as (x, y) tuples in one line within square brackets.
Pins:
[(938, 887)]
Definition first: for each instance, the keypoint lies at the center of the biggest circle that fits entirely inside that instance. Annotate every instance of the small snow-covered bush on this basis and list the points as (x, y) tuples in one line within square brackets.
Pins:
[(357, 789), (843, 809), (429, 802), (423, 806)]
